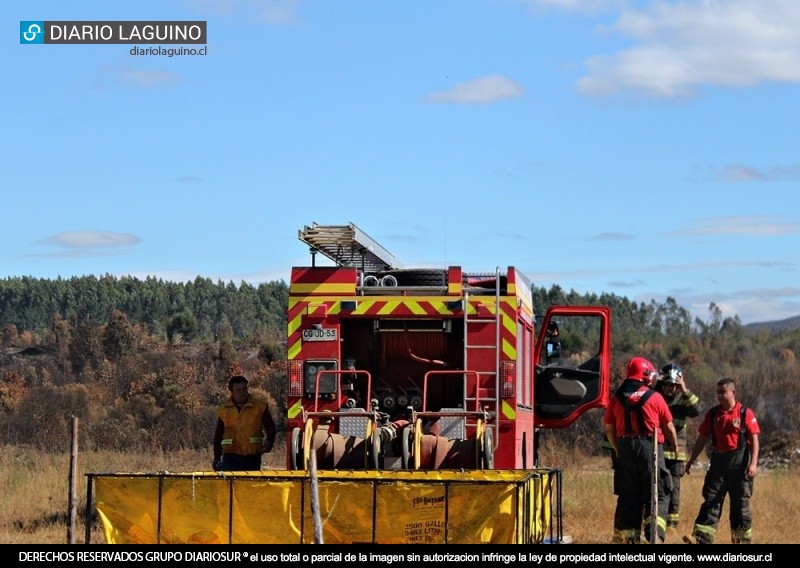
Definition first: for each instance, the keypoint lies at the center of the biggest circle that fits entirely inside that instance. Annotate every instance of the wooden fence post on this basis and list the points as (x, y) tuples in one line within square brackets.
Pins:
[(73, 476)]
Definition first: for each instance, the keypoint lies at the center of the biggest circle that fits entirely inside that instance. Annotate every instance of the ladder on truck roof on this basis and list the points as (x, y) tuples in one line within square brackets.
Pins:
[(347, 245)]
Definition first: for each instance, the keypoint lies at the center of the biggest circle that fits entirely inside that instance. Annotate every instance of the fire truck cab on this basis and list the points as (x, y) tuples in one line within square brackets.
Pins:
[(422, 368)]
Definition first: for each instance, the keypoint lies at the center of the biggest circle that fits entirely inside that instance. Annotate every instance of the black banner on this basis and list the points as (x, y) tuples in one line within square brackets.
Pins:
[(388, 555)]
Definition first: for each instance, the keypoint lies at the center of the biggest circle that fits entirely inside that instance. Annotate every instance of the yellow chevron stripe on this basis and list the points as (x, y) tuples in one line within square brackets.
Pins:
[(480, 306), (322, 288), (507, 411), (416, 308), (294, 324), (293, 350), (441, 308), (508, 336), (317, 308), (362, 307), (388, 308), (509, 324), (509, 349), (295, 410), (420, 305)]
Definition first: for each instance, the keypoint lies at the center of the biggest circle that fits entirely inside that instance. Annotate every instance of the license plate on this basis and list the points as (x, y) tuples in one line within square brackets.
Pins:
[(327, 334)]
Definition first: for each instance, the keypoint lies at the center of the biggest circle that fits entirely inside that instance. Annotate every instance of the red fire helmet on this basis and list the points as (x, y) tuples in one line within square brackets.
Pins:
[(640, 369)]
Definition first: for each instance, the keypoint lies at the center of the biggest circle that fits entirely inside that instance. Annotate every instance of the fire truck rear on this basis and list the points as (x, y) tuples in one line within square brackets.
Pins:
[(398, 368)]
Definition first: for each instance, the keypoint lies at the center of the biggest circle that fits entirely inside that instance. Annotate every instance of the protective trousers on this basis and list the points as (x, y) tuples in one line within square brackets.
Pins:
[(727, 475), (634, 483), (676, 470), (238, 462)]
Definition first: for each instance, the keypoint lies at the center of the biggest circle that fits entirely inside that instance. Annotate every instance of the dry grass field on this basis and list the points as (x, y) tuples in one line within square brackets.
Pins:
[(589, 504), (35, 489)]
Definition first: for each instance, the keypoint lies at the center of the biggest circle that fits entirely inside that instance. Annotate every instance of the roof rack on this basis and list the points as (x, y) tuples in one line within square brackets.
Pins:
[(347, 245)]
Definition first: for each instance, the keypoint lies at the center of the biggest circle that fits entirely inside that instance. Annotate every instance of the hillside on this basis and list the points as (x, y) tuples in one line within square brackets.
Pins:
[(775, 326), (144, 364)]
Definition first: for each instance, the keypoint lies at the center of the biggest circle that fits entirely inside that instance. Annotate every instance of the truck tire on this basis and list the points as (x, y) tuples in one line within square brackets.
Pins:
[(406, 442), (375, 449), (296, 448), (487, 453)]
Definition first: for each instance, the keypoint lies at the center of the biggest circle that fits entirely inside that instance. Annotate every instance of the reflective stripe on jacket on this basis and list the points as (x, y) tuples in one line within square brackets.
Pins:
[(244, 433), (682, 406)]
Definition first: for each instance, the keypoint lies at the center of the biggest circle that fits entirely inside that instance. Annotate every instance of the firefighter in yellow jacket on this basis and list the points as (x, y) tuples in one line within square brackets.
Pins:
[(245, 430)]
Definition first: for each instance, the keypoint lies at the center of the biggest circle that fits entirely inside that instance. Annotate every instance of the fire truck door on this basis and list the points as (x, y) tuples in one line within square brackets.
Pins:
[(572, 364)]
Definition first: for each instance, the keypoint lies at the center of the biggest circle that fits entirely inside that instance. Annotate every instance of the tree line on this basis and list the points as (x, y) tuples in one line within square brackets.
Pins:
[(195, 309), (144, 363)]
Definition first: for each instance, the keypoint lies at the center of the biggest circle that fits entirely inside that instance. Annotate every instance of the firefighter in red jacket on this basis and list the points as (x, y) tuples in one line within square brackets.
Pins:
[(734, 431), (245, 430), (633, 415)]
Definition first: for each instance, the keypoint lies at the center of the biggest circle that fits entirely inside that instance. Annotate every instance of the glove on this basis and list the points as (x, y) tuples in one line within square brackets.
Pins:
[(217, 464)]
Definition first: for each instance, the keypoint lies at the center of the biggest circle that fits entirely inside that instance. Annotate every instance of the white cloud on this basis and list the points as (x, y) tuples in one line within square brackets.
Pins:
[(683, 45), (149, 79), (91, 239), (486, 89), (751, 305), (566, 275), (612, 236), (736, 173), (753, 225), (739, 172), (128, 77)]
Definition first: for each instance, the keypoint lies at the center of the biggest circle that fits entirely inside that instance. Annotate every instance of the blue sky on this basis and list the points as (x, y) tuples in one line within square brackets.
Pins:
[(646, 149)]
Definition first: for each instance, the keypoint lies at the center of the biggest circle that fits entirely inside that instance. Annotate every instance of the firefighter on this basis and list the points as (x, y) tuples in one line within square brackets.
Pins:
[(683, 405), (734, 431), (244, 431), (633, 415)]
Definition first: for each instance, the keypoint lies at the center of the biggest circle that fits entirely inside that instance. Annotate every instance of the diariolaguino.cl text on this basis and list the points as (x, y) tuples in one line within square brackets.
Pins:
[(159, 51)]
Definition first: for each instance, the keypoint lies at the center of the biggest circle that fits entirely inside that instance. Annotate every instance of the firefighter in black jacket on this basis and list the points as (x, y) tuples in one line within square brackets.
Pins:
[(683, 404)]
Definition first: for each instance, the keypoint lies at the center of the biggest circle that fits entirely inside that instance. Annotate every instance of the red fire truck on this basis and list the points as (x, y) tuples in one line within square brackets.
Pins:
[(422, 368), (415, 402)]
